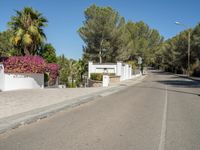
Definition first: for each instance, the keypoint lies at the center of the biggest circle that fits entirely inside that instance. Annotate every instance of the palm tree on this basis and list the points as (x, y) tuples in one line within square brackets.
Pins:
[(73, 70), (81, 67), (27, 27)]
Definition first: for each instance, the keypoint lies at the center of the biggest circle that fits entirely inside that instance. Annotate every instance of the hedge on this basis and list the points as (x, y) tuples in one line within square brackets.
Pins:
[(96, 76), (99, 76)]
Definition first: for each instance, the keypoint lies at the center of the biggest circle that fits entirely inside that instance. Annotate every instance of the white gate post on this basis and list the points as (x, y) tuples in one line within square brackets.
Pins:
[(90, 66), (119, 69), (106, 80)]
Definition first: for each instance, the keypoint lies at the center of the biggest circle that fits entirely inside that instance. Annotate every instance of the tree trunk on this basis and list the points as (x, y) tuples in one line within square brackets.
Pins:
[(100, 58), (100, 51), (26, 51)]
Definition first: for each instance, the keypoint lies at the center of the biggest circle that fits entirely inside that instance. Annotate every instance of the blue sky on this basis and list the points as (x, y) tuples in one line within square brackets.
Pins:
[(65, 17)]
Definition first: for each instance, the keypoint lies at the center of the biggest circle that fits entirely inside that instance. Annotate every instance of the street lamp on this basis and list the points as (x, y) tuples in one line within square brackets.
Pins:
[(178, 23)]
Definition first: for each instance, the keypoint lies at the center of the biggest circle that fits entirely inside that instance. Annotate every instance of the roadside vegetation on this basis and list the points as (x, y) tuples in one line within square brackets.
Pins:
[(109, 37), (173, 55)]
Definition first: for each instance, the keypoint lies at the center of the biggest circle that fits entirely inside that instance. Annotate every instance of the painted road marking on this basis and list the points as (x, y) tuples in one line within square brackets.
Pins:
[(164, 123)]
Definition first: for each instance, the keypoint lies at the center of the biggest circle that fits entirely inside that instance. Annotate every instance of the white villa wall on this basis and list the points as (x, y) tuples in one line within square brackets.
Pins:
[(17, 81), (1, 77), (23, 81), (127, 71), (101, 68), (123, 74), (120, 69)]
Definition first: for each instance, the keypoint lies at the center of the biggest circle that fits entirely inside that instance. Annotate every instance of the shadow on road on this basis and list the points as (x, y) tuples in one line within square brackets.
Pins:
[(176, 81), (180, 83), (172, 81), (171, 90)]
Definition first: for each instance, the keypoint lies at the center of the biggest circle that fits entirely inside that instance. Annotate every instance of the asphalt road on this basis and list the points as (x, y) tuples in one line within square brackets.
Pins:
[(160, 113)]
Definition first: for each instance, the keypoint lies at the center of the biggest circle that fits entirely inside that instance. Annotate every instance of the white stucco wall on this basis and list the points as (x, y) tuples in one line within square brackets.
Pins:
[(23, 81), (101, 68), (120, 69), (1, 77)]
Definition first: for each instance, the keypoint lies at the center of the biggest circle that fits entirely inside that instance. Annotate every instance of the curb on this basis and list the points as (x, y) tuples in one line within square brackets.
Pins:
[(18, 120)]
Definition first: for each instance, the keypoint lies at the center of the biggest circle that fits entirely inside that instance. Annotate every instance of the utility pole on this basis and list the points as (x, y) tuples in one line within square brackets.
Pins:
[(188, 53)]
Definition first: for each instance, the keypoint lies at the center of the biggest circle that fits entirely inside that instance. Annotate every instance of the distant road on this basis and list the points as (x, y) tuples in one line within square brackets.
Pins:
[(160, 113)]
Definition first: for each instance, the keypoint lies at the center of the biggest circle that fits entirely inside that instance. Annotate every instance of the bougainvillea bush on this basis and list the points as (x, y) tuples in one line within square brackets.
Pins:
[(29, 64), (24, 64), (52, 69)]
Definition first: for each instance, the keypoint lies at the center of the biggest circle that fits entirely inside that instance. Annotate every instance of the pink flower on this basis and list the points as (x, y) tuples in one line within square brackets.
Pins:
[(30, 64)]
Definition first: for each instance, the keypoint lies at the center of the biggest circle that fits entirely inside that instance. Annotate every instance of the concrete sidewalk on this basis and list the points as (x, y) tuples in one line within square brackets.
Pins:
[(25, 106)]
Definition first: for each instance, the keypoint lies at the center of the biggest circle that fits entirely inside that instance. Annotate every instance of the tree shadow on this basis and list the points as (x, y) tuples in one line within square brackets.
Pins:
[(173, 81), (171, 90), (177, 81), (180, 83)]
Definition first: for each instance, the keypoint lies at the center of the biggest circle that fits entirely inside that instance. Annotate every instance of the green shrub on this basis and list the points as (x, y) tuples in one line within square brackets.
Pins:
[(70, 85), (46, 77), (99, 76), (111, 74), (133, 64), (96, 76)]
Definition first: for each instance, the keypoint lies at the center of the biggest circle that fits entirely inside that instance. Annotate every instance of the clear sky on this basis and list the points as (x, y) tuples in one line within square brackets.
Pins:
[(66, 16)]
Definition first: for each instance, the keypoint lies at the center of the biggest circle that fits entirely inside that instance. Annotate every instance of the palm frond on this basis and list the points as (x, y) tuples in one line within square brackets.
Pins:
[(27, 40)]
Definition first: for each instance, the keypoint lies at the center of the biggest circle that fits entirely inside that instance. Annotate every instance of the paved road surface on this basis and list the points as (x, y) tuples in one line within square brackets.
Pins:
[(161, 113)]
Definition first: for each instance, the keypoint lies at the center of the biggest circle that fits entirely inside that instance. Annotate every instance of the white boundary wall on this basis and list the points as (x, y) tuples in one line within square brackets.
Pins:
[(1, 77), (120, 69), (17, 81)]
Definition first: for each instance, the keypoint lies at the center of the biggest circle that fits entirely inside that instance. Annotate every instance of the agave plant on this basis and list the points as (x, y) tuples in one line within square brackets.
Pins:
[(27, 26)]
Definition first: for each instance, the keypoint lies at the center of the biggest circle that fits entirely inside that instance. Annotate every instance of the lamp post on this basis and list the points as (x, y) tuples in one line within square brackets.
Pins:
[(188, 67)]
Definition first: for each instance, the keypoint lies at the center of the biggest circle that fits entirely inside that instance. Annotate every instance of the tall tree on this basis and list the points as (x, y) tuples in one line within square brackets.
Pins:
[(99, 25), (48, 52), (195, 39), (144, 42), (27, 27), (63, 69), (71, 71), (6, 46), (120, 44), (175, 53), (107, 36)]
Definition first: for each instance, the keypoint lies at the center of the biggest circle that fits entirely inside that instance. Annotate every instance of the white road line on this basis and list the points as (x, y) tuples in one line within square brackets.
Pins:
[(164, 123)]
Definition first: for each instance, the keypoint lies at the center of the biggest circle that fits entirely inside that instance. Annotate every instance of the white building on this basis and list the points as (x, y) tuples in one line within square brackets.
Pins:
[(119, 69), (17, 81)]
